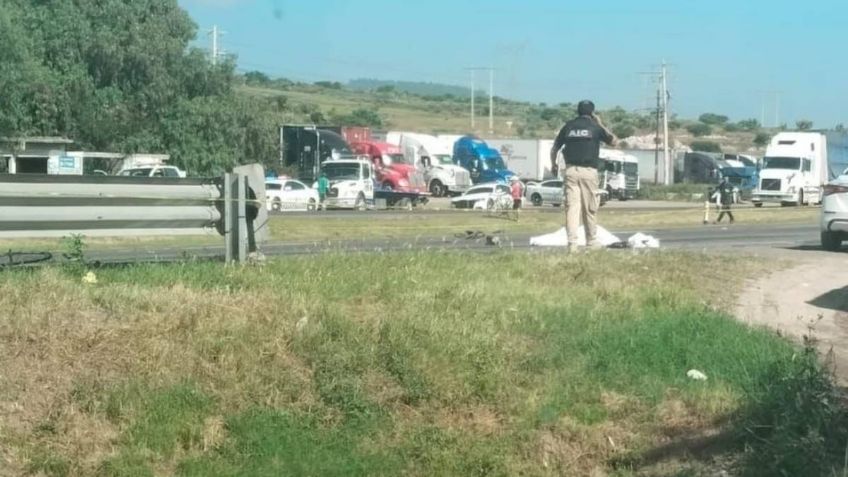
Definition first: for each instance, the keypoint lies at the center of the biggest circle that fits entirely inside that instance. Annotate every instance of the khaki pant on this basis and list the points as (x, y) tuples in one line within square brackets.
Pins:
[(581, 202)]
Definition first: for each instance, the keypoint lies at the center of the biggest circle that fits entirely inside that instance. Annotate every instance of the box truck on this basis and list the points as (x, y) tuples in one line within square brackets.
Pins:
[(794, 169), (530, 159)]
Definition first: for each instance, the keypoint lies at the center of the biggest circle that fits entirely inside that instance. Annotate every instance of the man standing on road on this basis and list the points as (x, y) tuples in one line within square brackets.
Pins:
[(725, 198), (580, 140), (516, 192), (323, 188)]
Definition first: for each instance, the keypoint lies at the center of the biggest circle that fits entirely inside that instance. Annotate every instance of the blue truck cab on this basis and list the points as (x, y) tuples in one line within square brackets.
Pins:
[(484, 163)]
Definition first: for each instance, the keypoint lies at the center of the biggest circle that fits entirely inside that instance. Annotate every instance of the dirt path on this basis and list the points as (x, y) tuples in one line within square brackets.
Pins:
[(812, 292)]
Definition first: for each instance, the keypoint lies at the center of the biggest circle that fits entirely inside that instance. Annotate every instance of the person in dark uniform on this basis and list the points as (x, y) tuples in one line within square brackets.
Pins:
[(725, 198), (580, 141)]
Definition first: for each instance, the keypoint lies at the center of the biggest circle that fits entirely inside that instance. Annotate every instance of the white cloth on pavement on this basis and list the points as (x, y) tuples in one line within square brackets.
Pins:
[(640, 240), (560, 238)]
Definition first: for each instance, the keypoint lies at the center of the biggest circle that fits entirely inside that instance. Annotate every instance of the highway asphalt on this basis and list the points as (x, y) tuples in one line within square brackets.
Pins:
[(708, 237)]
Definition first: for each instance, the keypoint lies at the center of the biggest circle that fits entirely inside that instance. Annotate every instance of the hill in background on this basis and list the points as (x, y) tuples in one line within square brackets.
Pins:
[(412, 87)]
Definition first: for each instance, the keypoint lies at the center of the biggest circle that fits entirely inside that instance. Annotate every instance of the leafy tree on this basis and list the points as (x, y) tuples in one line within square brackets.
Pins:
[(840, 127), (623, 130), (761, 139), (256, 78), (317, 117), (328, 84), (705, 146), (359, 117), (713, 119), (118, 75), (386, 89), (699, 129), (804, 125), (749, 124)]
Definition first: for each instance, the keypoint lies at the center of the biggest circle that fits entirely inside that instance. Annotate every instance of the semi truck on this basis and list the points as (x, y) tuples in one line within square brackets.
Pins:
[(393, 170), (310, 150), (619, 174), (794, 169), (434, 159), (484, 163), (303, 148)]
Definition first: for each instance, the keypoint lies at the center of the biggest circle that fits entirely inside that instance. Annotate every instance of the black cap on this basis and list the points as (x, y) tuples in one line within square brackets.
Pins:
[(585, 108)]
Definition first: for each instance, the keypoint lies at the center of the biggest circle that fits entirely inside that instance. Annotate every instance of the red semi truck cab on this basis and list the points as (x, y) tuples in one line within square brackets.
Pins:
[(393, 171)]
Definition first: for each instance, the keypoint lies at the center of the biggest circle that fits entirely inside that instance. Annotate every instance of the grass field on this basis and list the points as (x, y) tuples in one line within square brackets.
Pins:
[(402, 364)]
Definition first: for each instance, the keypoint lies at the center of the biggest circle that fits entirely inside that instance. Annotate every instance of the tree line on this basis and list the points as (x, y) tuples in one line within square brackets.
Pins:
[(120, 75)]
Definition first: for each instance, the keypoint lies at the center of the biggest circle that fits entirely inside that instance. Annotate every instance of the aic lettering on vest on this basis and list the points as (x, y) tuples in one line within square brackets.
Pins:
[(579, 133)]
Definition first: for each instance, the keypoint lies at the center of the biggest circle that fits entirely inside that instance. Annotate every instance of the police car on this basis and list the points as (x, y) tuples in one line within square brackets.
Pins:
[(285, 195)]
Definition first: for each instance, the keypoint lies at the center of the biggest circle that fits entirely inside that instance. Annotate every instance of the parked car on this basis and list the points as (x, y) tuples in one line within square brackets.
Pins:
[(483, 195), (546, 192), (153, 171), (834, 215), (283, 195), (551, 192)]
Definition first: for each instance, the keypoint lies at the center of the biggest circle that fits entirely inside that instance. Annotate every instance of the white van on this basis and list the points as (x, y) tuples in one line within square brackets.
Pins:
[(794, 170)]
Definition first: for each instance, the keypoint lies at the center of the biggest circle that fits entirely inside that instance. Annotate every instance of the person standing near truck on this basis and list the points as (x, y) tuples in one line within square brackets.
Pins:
[(323, 188), (580, 141), (725, 199), (516, 191)]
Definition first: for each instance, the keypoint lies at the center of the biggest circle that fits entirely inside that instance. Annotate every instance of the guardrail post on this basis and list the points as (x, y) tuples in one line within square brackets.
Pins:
[(241, 236), (228, 217), (235, 217)]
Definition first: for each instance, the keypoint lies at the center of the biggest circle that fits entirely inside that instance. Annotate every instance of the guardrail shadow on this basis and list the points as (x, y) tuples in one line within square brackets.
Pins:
[(836, 299)]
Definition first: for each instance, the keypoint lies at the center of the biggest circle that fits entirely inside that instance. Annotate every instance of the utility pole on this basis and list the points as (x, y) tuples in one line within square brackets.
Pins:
[(215, 33), (763, 111), (669, 164), (491, 101), (657, 142), (491, 96), (473, 93)]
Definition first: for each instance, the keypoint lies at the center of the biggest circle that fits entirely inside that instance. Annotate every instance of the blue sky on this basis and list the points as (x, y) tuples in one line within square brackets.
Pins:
[(727, 56)]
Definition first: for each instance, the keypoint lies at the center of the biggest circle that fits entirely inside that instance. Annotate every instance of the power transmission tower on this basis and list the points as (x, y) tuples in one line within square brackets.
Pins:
[(216, 50)]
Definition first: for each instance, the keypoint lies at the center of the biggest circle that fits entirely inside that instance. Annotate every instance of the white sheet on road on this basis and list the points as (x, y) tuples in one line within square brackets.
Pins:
[(560, 238), (605, 237), (641, 240)]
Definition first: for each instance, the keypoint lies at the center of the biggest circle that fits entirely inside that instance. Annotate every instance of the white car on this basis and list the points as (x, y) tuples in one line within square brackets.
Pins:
[(153, 171), (545, 192), (284, 195), (484, 196), (551, 192), (834, 216)]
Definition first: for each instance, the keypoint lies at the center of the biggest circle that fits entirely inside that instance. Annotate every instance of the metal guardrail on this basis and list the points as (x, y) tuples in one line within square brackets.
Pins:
[(39, 206)]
